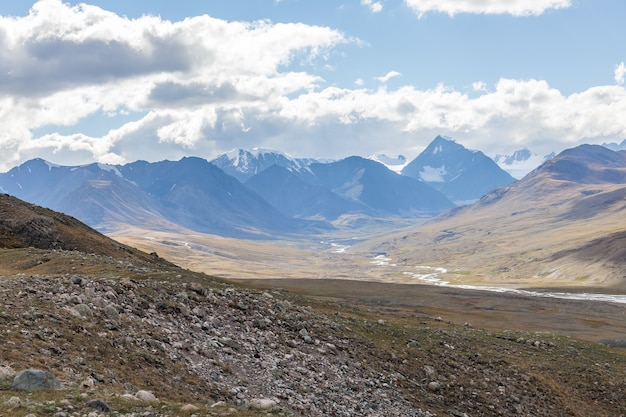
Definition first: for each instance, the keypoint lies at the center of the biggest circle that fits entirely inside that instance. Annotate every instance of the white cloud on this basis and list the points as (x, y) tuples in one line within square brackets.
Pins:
[(203, 86), (60, 64), (620, 73), (518, 113), (388, 76), (512, 7), (374, 6), (479, 86)]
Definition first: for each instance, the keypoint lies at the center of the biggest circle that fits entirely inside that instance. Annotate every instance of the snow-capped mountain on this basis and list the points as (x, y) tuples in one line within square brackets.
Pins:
[(521, 162), (351, 185), (394, 163), (191, 193), (460, 174), (243, 164)]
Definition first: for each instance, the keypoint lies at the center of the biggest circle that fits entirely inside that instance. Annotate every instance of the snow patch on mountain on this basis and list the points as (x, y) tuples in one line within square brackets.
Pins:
[(245, 163), (51, 165), (521, 162), (394, 163), (433, 174), (110, 168)]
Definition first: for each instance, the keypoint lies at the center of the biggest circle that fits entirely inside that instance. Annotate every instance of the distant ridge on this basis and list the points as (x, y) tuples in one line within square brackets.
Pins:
[(167, 195), (351, 185)]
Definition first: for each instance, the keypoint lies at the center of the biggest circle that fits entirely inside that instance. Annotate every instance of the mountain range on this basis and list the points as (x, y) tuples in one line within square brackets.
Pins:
[(243, 164), (352, 185), (190, 193), (251, 194)]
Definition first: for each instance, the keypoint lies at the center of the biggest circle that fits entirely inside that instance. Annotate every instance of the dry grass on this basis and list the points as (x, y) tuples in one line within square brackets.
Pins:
[(595, 321), (517, 241), (520, 241)]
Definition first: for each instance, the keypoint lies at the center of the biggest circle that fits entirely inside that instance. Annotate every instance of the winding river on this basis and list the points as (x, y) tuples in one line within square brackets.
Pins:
[(433, 276)]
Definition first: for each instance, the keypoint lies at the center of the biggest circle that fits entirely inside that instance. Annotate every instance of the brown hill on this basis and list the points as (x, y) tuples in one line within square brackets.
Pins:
[(27, 225), (562, 225)]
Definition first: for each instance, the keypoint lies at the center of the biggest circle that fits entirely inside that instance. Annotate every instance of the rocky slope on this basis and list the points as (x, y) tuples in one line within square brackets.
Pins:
[(28, 225), (189, 339), (141, 338)]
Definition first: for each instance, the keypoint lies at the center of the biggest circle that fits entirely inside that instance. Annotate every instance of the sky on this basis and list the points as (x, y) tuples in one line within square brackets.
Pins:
[(115, 81)]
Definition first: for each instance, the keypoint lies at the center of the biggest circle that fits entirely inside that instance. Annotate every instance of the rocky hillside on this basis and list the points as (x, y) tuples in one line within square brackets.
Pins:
[(139, 338), (28, 225), (223, 350)]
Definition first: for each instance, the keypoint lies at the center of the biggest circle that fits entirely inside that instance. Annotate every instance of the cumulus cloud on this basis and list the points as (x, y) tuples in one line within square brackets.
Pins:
[(374, 6), (512, 7), (517, 113), (620, 73), (62, 63), (203, 86)]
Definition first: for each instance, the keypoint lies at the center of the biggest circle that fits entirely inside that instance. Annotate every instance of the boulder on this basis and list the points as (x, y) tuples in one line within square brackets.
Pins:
[(145, 396), (262, 403), (35, 380), (98, 405)]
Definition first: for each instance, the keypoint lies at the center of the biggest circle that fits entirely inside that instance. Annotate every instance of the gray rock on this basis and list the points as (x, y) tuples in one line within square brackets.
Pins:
[(35, 380), (111, 313), (434, 386), (262, 403), (84, 311), (145, 396), (98, 405), (13, 402), (430, 371)]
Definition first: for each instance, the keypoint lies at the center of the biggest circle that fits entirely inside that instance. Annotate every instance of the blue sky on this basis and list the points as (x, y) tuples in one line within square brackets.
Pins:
[(115, 81)]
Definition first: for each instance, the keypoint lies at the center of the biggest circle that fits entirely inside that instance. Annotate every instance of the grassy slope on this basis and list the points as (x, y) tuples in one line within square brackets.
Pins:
[(521, 241)]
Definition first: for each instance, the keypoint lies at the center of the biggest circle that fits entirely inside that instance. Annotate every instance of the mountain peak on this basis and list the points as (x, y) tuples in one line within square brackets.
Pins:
[(461, 174), (243, 164), (38, 163), (441, 144)]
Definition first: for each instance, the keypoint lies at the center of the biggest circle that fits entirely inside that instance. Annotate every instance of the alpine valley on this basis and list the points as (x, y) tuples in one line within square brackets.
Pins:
[(258, 284), (260, 213)]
